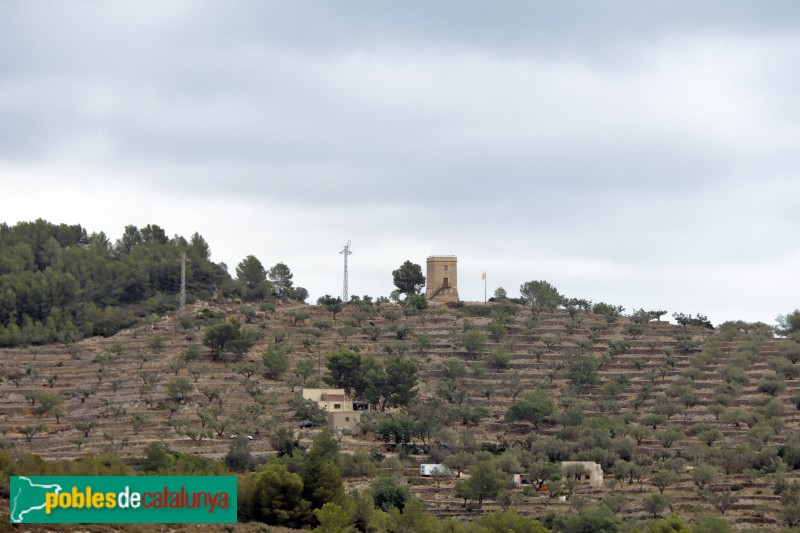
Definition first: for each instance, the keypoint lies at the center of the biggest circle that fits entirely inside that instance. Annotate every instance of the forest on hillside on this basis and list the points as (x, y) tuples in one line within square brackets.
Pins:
[(59, 283)]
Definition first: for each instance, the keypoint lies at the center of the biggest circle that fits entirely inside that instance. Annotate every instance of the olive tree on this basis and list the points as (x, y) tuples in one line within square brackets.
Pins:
[(228, 337), (535, 408)]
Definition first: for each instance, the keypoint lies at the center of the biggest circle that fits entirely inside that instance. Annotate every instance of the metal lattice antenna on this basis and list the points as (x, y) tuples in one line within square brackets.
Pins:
[(345, 252)]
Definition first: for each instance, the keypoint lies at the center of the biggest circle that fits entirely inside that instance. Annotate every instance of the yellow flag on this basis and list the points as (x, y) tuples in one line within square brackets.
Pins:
[(483, 276)]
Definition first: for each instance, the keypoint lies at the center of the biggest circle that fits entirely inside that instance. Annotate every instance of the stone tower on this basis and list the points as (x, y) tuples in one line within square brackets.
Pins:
[(442, 278)]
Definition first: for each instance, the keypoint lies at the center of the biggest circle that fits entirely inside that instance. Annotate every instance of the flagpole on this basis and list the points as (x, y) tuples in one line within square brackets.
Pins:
[(484, 286)]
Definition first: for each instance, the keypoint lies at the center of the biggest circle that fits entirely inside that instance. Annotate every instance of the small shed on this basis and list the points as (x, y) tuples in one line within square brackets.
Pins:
[(349, 420)]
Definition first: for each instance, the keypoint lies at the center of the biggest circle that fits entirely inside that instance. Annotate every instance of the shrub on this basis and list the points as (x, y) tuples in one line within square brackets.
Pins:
[(499, 359)]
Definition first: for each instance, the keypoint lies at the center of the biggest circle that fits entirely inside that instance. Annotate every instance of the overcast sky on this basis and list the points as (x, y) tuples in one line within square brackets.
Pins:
[(646, 154)]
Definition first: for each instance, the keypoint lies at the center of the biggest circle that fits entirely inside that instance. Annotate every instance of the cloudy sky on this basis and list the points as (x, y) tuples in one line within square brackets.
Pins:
[(646, 154)]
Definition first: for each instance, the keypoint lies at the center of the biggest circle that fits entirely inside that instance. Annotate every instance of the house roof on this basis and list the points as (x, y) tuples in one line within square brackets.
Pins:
[(332, 397)]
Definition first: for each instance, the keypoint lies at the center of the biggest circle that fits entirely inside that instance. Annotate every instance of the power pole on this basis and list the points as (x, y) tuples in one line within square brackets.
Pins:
[(345, 252), (183, 283)]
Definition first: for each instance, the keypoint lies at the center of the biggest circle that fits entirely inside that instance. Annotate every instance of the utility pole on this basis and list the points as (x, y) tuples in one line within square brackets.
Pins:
[(345, 252), (183, 283)]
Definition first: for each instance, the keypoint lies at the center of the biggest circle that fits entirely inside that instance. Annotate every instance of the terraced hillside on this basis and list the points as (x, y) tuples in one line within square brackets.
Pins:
[(696, 398), (706, 416)]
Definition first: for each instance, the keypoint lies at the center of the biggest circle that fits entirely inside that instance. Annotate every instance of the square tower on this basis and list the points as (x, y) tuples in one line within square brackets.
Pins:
[(442, 278)]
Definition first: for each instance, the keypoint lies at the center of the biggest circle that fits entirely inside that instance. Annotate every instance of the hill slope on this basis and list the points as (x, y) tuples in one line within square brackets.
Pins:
[(721, 402)]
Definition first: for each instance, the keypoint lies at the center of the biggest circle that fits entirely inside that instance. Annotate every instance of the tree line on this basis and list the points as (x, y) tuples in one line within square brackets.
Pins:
[(59, 283)]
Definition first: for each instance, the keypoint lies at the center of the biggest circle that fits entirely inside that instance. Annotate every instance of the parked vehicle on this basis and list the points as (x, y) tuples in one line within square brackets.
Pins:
[(434, 470)]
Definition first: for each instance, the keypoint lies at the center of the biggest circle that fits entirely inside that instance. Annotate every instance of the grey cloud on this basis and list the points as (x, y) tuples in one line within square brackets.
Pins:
[(615, 142)]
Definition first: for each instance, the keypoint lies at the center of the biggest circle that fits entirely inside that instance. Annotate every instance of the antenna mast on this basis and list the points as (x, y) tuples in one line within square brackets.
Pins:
[(345, 252)]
